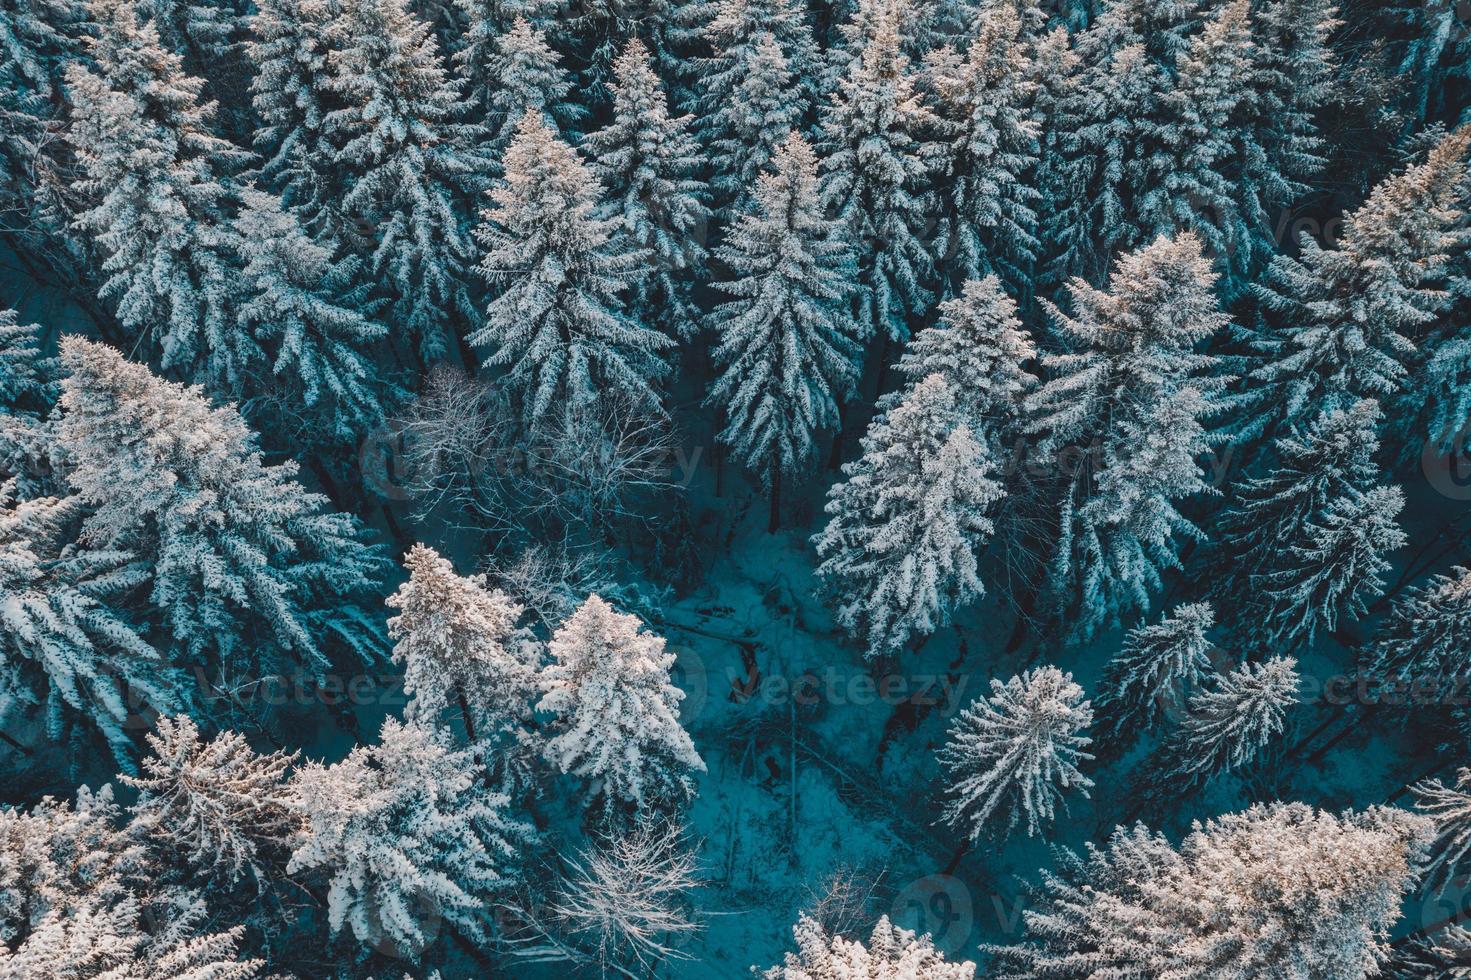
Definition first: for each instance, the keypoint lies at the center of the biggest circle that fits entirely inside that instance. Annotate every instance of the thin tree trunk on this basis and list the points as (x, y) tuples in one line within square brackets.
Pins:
[(774, 520), (957, 857)]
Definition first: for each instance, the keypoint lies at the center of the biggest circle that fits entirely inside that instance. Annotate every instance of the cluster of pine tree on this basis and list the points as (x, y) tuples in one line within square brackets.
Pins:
[(1028, 274)]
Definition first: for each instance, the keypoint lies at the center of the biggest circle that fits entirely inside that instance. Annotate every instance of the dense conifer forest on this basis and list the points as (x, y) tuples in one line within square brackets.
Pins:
[(812, 489)]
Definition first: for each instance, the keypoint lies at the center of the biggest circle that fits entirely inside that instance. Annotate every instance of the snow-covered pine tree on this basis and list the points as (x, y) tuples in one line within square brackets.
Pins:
[(1275, 891), (650, 166), (1331, 571), (521, 74), (245, 568), (462, 648), (1346, 318), (1151, 679), (980, 347), (749, 102), (291, 94), (1186, 176), (63, 857), (616, 714), (1450, 808), (1278, 148), (28, 390), (402, 158), (733, 29), (1057, 73), (879, 157), (485, 22), (409, 836), (891, 953), (1119, 427), (37, 39), (306, 313), (557, 324), (218, 802), (1009, 758), (1422, 639), (899, 552), (201, 32), (985, 98), (1334, 459), (1225, 726), (63, 648), (125, 940), (782, 346), (158, 177)]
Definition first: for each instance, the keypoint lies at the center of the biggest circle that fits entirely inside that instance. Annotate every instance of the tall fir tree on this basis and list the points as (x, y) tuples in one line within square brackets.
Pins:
[(1153, 677), (785, 354), (985, 99), (291, 93), (158, 177), (226, 806), (1421, 639), (980, 347), (521, 74), (1331, 570), (879, 158), (650, 165), (558, 323), (1344, 321), (305, 312), (1225, 727), (1277, 887), (1332, 460), (749, 102), (1010, 758), (66, 649), (462, 648), (247, 571), (899, 552), (402, 158), (616, 713), (409, 836), (1120, 425)]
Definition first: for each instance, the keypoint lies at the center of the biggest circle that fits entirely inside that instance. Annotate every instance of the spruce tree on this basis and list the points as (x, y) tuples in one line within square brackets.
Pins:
[(1152, 678), (616, 712), (462, 648), (1422, 639), (557, 323), (985, 99), (1331, 570), (410, 836), (650, 166), (1225, 727), (1332, 460), (402, 158), (1120, 425), (291, 92), (226, 806), (158, 177), (522, 74), (1344, 320), (1277, 890), (749, 103), (305, 312), (899, 553), (1009, 758), (879, 157), (64, 647), (981, 349), (246, 569), (783, 349)]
